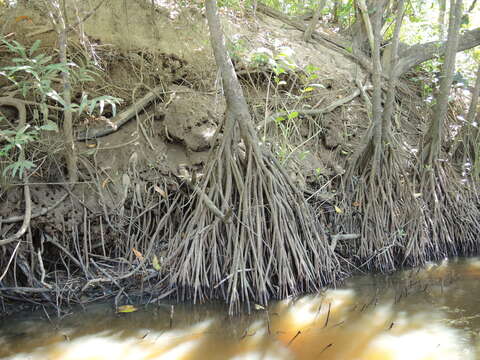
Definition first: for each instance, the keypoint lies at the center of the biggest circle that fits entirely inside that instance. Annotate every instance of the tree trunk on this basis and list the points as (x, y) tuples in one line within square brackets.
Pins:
[(434, 135), (271, 243), (70, 152), (472, 110), (236, 103), (313, 23), (417, 54), (362, 5), (362, 33), (390, 99), (336, 10), (472, 140), (58, 16), (359, 32), (377, 110), (384, 192), (442, 6)]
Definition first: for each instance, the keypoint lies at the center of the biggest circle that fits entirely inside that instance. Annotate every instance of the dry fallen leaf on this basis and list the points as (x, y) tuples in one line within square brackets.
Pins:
[(126, 309), (23, 18), (338, 210), (137, 253), (160, 191)]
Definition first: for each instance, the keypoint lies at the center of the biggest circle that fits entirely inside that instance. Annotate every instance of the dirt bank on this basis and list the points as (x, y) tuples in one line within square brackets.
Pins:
[(109, 233)]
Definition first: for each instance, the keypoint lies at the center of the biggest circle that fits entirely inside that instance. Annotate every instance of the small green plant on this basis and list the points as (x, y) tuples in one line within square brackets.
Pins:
[(37, 75), (236, 48), (20, 139), (308, 78), (262, 57), (32, 73), (303, 154)]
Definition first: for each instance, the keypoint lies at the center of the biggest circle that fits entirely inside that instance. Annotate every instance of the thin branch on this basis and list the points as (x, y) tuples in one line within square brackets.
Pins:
[(72, 26)]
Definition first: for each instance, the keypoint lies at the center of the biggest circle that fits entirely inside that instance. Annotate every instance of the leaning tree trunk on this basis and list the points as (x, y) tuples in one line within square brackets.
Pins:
[(249, 235), (435, 131)]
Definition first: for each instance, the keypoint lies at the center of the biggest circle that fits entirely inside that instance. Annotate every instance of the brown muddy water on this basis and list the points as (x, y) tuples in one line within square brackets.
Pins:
[(428, 313)]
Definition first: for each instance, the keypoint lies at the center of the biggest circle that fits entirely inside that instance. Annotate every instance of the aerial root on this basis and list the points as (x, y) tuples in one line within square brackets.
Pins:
[(270, 246)]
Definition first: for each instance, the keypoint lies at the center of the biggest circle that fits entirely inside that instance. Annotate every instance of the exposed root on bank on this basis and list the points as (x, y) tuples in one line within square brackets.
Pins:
[(271, 245), (384, 210), (452, 212), (61, 265)]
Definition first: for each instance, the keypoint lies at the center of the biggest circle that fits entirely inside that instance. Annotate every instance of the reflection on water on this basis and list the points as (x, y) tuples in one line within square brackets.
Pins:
[(429, 313)]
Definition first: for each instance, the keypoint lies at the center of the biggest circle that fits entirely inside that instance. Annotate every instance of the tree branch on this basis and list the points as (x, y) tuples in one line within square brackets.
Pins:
[(417, 54), (121, 119)]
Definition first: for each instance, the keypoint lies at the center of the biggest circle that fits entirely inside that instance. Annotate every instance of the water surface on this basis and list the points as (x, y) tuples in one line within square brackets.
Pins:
[(429, 313)]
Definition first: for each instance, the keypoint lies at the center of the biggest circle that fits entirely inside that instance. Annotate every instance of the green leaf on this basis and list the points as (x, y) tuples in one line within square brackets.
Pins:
[(93, 103), (156, 263), (34, 47), (5, 133), (311, 68), (55, 96), (83, 103), (18, 166), (308, 89), (49, 126), (293, 115), (44, 60), (6, 149)]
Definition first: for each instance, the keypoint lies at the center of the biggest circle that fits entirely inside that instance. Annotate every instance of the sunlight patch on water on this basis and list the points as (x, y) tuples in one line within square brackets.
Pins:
[(421, 314), (431, 343)]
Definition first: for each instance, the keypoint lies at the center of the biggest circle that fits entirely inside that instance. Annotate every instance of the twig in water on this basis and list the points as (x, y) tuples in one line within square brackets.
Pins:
[(328, 314), (296, 335), (326, 347), (172, 309)]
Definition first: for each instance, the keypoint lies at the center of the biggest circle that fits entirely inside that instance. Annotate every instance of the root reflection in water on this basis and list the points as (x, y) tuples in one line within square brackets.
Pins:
[(431, 313)]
